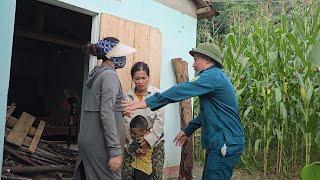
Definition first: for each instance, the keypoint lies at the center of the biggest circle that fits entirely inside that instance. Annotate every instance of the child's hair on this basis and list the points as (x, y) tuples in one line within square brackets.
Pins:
[(139, 122)]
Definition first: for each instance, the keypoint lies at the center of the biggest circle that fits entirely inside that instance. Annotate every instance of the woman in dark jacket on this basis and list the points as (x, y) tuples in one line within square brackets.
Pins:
[(100, 152)]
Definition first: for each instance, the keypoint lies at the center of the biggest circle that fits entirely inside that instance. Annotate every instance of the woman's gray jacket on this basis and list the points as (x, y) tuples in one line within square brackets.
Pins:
[(99, 130)]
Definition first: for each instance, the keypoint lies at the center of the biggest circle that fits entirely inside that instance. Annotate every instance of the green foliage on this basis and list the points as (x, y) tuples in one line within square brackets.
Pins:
[(314, 56), (266, 55), (311, 171), (217, 27)]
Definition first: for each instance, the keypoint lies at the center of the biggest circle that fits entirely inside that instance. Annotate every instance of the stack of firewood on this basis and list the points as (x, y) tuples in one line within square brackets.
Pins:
[(25, 153)]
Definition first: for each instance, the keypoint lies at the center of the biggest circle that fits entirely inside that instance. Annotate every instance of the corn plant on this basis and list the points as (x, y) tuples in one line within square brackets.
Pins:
[(278, 89), (277, 83)]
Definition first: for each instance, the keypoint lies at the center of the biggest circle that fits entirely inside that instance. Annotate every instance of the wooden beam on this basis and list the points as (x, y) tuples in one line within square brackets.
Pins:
[(209, 1), (19, 156), (37, 137), (48, 38), (26, 142), (200, 3), (10, 110), (203, 10), (11, 121), (9, 176), (39, 169), (20, 130), (186, 164), (75, 31)]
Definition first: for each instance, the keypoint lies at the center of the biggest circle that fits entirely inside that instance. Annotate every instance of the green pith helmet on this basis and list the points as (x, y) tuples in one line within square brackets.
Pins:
[(208, 49)]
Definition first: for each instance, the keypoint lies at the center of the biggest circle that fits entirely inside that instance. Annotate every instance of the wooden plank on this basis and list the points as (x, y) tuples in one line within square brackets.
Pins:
[(17, 155), (11, 121), (39, 169), (37, 137), (21, 129), (45, 37), (155, 53), (147, 41), (109, 26), (141, 43), (8, 176), (186, 165), (11, 109), (126, 35), (203, 10), (26, 142)]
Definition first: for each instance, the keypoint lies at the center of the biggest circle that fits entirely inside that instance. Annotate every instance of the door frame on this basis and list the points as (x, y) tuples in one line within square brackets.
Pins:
[(95, 32)]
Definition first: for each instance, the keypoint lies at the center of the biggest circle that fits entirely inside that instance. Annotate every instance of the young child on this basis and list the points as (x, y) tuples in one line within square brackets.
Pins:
[(142, 164)]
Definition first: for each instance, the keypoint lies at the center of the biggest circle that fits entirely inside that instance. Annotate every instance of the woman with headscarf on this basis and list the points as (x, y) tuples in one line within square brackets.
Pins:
[(100, 151)]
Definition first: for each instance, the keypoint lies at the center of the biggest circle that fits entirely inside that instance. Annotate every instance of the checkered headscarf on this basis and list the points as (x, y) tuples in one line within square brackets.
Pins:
[(106, 45)]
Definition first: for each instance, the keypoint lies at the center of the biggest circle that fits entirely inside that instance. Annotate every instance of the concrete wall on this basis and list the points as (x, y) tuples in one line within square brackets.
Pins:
[(7, 12), (179, 36)]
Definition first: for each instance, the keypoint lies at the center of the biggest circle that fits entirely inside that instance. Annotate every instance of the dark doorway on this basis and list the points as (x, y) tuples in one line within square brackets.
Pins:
[(47, 66)]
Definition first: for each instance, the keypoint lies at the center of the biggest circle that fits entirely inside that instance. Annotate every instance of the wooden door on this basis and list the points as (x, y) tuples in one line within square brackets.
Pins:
[(146, 39)]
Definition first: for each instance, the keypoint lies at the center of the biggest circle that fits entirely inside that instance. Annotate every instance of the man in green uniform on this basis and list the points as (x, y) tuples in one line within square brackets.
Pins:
[(221, 131)]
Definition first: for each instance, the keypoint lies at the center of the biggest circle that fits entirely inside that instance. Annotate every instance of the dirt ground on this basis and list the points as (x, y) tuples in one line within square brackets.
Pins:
[(197, 173), (237, 174)]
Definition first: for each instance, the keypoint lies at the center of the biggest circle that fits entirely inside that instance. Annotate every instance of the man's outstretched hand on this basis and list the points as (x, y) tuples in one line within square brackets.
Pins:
[(130, 107), (180, 138)]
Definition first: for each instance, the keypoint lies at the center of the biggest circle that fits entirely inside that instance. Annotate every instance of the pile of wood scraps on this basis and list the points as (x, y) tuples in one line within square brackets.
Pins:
[(25, 153)]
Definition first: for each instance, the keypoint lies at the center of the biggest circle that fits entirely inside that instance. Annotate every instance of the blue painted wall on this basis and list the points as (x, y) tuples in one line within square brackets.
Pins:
[(7, 12), (178, 32)]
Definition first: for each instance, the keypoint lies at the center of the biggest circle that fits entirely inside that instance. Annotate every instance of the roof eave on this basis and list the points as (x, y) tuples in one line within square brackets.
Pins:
[(204, 9)]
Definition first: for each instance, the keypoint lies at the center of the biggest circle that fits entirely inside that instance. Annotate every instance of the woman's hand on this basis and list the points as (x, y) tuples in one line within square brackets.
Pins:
[(115, 163), (127, 113), (133, 106), (180, 138)]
